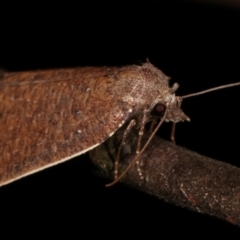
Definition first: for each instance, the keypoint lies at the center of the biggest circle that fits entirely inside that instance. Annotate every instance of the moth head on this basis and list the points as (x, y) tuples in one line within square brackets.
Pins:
[(173, 105)]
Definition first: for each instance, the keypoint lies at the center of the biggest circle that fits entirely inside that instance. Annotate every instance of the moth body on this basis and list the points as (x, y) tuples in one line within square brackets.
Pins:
[(48, 117)]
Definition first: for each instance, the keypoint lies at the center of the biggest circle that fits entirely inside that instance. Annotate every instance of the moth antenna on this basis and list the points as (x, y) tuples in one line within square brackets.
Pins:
[(144, 147), (211, 90)]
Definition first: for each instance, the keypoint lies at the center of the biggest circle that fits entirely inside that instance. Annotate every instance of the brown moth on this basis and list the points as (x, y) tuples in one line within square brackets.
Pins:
[(48, 117)]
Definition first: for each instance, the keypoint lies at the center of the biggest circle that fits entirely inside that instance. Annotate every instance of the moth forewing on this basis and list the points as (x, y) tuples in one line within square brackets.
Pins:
[(48, 117)]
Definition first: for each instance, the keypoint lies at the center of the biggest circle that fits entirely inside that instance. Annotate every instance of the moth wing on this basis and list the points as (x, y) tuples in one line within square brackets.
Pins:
[(48, 122)]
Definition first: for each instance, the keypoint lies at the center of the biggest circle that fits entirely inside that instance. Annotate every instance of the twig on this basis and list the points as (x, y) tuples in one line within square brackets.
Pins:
[(177, 175)]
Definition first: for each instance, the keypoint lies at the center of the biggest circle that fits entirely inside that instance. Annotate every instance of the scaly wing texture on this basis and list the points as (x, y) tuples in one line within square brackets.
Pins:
[(48, 117)]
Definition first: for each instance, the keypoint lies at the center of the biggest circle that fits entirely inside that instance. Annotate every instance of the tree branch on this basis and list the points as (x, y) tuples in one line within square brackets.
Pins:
[(176, 175)]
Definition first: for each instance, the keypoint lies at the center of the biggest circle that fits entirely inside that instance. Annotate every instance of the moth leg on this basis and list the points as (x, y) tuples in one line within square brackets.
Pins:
[(153, 123), (126, 132), (173, 133), (140, 134)]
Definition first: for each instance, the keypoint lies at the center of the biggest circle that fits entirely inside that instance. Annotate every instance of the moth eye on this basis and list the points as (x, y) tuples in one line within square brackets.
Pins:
[(158, 109)]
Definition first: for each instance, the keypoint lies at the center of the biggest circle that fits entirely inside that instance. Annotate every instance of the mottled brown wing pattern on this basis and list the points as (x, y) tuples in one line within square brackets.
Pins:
[(48, 117)]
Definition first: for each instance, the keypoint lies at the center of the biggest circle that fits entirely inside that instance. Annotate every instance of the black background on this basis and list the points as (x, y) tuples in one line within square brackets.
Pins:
[(197, 45)]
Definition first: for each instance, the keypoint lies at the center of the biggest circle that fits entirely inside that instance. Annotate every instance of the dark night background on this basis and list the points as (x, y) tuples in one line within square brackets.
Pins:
[(198, 45)]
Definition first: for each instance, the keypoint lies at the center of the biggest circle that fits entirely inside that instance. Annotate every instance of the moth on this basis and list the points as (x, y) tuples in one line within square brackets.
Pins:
[(48, 117)]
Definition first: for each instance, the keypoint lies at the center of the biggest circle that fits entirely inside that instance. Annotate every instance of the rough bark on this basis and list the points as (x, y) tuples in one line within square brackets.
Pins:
[(176, 175)]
